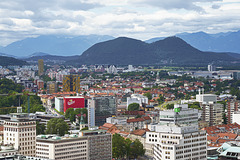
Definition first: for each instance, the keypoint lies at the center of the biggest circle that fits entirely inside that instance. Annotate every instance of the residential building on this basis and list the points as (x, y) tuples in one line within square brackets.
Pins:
[(40, 67), (99, 144), (60, 148), (231, 107), (21, 132), (104, 107), (51, 87), (177, 135), (71, 83), (59, 104), (236, 117), (40, 84), (137, 98), (212, 112), (217, 135)]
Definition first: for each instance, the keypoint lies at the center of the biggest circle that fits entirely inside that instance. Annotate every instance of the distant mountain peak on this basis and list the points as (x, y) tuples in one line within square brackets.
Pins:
[(61, 45)]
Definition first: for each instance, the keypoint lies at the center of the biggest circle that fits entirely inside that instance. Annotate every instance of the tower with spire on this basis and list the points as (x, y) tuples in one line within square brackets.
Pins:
[(82, 123)]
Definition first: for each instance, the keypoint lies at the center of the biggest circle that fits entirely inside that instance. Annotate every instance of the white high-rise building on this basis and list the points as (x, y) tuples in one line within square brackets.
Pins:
[(177, 135), (211, 68), (21, 132), (91, 113)]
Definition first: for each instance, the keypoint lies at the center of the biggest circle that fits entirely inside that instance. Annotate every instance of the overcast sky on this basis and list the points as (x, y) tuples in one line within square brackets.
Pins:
[(141, 19)]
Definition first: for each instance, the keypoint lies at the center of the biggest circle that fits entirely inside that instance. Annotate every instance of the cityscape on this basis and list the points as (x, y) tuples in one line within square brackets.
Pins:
[(120, 80)]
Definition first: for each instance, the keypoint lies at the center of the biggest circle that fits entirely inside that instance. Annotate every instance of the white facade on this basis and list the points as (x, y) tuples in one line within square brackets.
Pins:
[(59, 104), (116, 120), (177, 136), (236, 117), (137, 98), (91, 113), (60, 148), (20, 132)]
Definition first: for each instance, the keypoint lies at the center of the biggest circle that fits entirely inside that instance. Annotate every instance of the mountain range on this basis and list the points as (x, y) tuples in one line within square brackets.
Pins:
[(171, 50), (220, 42), (54, 45)]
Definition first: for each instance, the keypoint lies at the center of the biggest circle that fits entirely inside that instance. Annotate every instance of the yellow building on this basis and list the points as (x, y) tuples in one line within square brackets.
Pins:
[(51, 87), (71, 83), (40, 67)]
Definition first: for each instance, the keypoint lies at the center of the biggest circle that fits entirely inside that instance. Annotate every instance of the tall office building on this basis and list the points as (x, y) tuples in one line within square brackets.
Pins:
[(21, 132), (71, 83), (40, 67), (177, 135), (91, 113), (103, 107)]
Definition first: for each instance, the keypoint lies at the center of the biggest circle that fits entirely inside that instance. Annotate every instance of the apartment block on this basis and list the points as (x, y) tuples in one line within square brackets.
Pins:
[(71, 83)]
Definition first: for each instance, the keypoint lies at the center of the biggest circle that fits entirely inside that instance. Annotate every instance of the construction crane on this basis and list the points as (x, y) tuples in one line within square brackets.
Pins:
[(28, 94)]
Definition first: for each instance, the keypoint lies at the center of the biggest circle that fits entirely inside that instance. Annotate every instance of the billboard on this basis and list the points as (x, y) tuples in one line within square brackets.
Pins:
[(73, 102)]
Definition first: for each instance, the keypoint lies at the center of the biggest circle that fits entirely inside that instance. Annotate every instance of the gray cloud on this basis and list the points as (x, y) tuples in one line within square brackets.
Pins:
[(174, 4), (215, 6)]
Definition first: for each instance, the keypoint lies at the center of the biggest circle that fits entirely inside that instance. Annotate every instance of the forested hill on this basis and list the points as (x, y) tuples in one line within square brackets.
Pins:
[(171, 50), (6, 61)]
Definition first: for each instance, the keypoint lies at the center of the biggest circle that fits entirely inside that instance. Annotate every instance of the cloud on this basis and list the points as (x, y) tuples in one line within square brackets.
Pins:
[(142, 19), (215, 6), (173, 4)]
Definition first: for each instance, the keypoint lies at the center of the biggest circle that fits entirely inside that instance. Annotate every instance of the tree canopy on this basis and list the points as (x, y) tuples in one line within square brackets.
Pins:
[(133, 107), (57, 126), (148, 95), (125, 148)]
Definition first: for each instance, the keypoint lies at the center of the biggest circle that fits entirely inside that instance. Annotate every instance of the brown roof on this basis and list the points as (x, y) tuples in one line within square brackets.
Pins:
[(138, 119), (140, 132)]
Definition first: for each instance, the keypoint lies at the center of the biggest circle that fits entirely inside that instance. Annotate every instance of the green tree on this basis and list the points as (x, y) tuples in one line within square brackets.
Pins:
[(161, 99), (148, 95), (57, 126), (170, 106), (40, 128), (137, 149), (133, 107), (68, 112), (118, 146)]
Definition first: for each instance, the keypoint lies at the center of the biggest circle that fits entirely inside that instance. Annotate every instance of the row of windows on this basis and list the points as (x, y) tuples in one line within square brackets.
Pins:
[(42, 145), (70, 157), (27, 143), (171, 137), (42, 149), (152, 135), (72, 152), (42, 153), (19, 129), (169, 142), (26, 148), (64, 149), (65, 145)]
